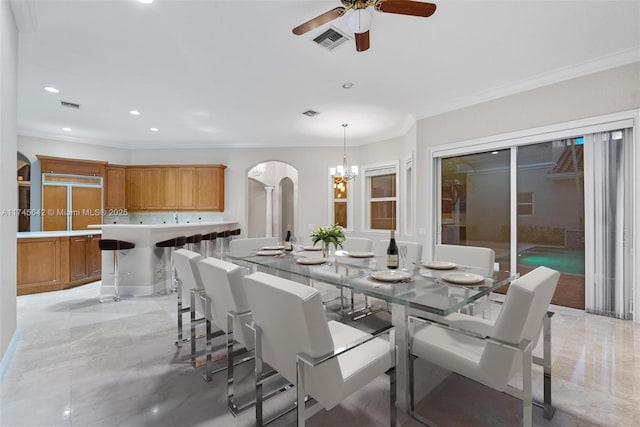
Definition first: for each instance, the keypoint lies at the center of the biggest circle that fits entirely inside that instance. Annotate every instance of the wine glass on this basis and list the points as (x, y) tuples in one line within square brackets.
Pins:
[(402, 251)]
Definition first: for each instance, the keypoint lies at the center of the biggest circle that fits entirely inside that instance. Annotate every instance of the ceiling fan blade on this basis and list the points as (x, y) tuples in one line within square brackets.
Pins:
[(319, 20), (362, 41), (406, 7)]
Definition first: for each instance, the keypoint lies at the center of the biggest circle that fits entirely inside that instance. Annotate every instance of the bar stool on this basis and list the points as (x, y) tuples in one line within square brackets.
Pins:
[(209, 240), (222, 237), (171, 245), (116, 246), (192, 241)]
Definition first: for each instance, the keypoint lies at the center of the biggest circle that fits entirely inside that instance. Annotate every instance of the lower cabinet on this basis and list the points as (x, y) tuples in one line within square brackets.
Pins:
[(55, 263)]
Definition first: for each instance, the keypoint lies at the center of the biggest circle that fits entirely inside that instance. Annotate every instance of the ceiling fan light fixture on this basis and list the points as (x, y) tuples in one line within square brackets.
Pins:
[(359, 20)]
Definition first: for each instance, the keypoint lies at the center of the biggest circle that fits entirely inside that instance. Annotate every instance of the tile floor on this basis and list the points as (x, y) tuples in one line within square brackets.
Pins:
[(81, 363)]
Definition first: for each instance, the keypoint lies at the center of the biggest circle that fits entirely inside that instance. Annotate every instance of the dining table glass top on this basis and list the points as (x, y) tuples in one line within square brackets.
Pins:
[(416, 286)]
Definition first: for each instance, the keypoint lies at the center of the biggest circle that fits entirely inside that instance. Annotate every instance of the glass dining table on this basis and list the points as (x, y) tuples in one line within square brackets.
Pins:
[(417, 290)]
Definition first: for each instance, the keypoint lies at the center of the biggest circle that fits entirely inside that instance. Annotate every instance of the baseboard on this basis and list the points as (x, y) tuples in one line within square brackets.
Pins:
[(8, 355)]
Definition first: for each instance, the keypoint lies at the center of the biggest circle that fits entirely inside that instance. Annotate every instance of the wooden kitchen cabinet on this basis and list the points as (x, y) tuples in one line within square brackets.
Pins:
[(134, 181), (152, 189), (175, 188), (71, 166), (85, 258), (186, 188), (210, 188), (115, 187), (55, 263), (170, 188)]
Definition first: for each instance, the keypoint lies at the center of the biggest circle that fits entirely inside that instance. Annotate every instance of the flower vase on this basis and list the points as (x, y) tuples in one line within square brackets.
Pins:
[(325, 249)]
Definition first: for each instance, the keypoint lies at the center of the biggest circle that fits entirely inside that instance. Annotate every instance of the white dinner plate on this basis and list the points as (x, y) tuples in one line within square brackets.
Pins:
[(440, 265), (311, 261), (273, 248), (312, 248), (391, 275), (269, 252), (361, 254), (461, 278)]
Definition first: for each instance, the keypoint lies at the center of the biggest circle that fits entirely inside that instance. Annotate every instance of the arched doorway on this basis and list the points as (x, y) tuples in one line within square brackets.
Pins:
[(272, 199)]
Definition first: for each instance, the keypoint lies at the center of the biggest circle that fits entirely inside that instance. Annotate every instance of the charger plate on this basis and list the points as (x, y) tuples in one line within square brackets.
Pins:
[(391, 275), (311, 261), (460, 278)]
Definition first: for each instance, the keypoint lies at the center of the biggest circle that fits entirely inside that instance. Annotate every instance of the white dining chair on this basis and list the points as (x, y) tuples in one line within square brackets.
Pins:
[(230, 313), (189, 286), (413, 256), (470, 256), (357, 244), (486, 352), (251, 244), (325, 361)]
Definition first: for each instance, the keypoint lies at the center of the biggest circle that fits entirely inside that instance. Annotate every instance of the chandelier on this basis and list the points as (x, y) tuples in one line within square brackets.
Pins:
[(343, 172)]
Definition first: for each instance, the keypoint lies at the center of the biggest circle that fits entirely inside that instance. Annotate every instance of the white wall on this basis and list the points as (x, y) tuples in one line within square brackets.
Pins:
[(8, 186)]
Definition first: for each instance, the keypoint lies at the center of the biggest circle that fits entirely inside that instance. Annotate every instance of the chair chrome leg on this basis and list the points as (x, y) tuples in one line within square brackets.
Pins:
[(527, 402), (258, 373), (300, 401), (393, 410), (549, 410)]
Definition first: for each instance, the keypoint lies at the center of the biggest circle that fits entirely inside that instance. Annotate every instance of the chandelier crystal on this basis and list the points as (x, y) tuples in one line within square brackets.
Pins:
[(343, 172)]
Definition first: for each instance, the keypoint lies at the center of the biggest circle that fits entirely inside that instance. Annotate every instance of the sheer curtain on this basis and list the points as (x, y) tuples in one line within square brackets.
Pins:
[(608, 223)]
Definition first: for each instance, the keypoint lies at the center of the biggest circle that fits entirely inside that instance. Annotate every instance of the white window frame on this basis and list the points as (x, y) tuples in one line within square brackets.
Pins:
[(349, 202), (408, 201), (377, 169)]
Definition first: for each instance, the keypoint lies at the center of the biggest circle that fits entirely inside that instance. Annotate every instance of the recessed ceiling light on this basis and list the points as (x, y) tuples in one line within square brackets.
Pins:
[(494, 152), (134, 112), (146, 1), (347, 85), (154, 129), (51, 89), (67, 129)]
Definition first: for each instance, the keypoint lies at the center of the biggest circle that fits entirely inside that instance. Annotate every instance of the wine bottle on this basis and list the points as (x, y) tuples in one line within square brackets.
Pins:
[(392, 252), (288, 245)]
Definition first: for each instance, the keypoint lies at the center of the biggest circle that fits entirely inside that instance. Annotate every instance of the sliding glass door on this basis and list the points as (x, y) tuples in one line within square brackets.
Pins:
[(564, 203)]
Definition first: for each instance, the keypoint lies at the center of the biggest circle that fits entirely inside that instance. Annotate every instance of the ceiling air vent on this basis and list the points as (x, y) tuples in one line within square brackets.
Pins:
[(69, 104), (311, 113), (331, 38)]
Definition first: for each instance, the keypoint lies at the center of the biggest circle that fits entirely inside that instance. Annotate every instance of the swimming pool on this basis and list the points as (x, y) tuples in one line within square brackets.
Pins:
[(564, 260)]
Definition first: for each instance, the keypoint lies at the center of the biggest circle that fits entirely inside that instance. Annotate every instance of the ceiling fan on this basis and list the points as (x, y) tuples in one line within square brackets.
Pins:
[(359, 18)]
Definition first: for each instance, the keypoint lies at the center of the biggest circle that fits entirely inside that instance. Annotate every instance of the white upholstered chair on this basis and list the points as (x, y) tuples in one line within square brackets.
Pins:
[(189, 287), (326, 361), (414, 251), (357, 244), (251, 244), (490, 353), (223, 282), (470, 256)]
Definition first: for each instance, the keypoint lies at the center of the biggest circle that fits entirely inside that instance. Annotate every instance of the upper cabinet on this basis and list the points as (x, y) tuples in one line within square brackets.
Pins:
[(175, 188), (115, 185), (71, 166)]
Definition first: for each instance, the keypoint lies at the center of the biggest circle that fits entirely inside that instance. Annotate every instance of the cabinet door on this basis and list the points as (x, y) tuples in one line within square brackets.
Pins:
[(86, 204), (186, 188), (54, 205), (78, 246), (152, 189), (210, 188), (115, 188), (38, 265), (134, 188), (94, 257), (170, 188)]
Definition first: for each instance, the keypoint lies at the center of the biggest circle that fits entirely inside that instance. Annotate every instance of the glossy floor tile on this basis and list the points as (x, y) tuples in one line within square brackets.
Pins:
[(82, 363)]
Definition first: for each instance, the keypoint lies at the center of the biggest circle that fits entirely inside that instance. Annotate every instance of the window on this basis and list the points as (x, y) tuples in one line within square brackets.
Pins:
[(525, 203), (340, 208), (381, 189)]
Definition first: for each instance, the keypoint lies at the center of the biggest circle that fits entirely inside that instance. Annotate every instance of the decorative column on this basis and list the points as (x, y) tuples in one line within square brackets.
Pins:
[(269, 208)]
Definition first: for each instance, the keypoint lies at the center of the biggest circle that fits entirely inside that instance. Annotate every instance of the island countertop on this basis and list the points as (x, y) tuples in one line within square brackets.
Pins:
[(62, 233), (146, 264)]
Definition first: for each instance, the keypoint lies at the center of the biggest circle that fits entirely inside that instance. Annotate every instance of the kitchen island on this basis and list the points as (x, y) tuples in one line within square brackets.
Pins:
[(146, 265)]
